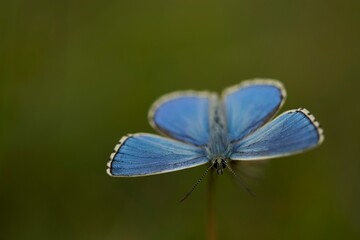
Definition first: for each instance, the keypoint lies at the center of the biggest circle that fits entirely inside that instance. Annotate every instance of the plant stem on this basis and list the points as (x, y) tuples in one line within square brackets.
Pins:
[(211, 223)]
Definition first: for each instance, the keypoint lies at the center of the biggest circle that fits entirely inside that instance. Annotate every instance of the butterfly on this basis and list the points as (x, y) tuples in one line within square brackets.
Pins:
[(203, 128)]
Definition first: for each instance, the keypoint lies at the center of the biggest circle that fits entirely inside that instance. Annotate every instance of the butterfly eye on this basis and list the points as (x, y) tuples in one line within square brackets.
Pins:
[(223, 164)]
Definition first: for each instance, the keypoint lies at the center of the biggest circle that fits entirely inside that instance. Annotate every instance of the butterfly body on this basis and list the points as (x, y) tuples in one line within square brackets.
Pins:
[(219, 144), (207, 129)]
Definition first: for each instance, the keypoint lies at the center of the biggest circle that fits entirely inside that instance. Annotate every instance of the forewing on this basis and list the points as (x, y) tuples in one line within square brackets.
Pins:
[(148, 154), (292, 132), (250, 105), (183, 116)]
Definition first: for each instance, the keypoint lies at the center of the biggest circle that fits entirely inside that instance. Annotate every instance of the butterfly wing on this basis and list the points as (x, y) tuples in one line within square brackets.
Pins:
[(183, 116), (250, 105), (292, 132), (148, 154)]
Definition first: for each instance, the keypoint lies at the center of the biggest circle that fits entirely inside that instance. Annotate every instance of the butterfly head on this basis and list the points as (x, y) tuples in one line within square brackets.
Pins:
[(219, 164)]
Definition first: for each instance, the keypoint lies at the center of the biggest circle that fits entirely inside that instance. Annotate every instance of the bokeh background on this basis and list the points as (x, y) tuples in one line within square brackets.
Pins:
[(77, 75)]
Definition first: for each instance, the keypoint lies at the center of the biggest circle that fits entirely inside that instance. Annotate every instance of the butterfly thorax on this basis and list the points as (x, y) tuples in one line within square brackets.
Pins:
[(219, 148)]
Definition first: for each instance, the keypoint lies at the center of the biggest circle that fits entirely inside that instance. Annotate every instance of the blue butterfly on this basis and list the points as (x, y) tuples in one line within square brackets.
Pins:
[(204, 128)]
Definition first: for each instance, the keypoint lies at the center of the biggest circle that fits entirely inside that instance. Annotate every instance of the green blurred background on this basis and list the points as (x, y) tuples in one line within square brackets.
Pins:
[(77, 75)]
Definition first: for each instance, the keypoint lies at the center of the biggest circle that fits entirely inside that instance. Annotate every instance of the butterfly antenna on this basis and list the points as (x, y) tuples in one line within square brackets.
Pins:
[(240, 181), (197, 183)]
